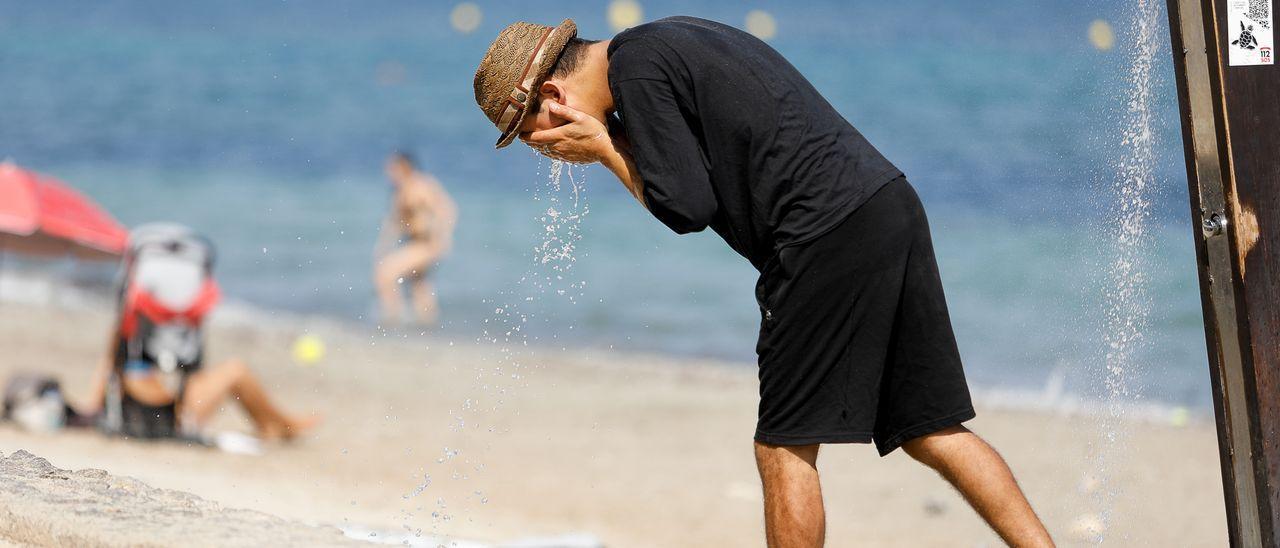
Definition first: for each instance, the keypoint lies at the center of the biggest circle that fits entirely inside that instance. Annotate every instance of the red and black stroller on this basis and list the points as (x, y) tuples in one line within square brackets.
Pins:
[(166, 289)]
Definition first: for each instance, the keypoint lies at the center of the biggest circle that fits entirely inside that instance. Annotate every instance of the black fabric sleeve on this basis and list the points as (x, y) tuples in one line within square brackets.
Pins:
[(677, 186)]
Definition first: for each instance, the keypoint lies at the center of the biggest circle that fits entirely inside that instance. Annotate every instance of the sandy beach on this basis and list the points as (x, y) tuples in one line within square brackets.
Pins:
[(425, 437)]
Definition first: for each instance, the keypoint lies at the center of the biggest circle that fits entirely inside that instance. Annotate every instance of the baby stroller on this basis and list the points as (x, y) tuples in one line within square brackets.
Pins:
[(166, 289)]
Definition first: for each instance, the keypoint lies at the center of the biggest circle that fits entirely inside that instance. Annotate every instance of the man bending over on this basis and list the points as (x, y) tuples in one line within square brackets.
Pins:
[(707, 126)]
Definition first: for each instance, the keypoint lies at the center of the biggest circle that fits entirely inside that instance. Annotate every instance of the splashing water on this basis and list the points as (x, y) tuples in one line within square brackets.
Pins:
[(1125, 278), (417, 490), (553, 256), (562, 230)]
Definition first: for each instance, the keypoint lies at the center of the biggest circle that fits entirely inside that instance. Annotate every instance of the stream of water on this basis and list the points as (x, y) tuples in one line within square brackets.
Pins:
[(1126, 238)]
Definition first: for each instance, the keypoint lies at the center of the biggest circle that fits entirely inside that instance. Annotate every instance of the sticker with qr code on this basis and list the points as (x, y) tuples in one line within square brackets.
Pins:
[(1250, 33)]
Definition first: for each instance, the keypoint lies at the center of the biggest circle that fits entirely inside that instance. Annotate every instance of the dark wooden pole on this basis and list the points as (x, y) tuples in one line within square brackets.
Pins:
[(1231, 130)]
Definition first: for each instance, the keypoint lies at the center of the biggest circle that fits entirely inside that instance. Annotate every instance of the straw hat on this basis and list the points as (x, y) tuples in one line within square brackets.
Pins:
[(517, 62)]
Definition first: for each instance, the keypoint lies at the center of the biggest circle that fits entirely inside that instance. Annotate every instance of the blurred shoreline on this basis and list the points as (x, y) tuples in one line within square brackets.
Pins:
[(1053, 397)]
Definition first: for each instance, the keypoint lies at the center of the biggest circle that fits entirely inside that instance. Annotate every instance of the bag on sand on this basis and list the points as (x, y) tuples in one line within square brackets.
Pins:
[(35, 402)]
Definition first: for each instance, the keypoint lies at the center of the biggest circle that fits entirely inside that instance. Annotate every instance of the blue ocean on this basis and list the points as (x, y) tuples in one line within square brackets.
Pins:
[(265, 125)]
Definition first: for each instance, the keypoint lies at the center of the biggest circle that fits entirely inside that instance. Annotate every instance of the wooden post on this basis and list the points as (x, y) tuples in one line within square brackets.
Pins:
[(1231, 130)]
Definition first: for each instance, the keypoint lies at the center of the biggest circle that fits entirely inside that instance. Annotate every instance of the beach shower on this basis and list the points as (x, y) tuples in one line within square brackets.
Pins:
[(1125, 248)]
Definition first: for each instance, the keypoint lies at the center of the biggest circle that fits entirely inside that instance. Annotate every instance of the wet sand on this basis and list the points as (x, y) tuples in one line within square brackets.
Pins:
[(635, 450)]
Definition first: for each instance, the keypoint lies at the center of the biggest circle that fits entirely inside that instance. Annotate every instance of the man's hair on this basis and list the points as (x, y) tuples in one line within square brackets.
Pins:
[(406, 157), (575, 50)]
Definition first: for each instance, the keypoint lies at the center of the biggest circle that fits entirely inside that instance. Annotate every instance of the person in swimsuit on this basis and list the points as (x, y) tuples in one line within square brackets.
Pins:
[(202, 394), (422, 216)]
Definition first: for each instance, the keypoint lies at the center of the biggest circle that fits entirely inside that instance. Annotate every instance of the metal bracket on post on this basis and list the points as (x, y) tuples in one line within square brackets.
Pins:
[(1213, 224)]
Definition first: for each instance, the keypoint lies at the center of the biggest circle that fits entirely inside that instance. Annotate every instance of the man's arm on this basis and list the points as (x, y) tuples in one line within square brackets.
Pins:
[(683, 187), (584, 140), (618, 161), (666, 152)]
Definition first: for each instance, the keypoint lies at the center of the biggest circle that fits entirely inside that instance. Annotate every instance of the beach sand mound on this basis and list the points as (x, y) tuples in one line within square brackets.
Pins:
[(43, 505)]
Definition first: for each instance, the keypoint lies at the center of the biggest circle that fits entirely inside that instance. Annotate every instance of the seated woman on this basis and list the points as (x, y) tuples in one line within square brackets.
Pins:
[(197, 398), (153, 382)]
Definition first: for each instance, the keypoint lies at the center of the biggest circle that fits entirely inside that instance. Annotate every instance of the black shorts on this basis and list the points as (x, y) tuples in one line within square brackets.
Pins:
[(855, 340)]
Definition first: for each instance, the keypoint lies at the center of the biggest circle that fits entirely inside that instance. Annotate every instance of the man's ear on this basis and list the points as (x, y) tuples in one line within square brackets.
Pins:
[(552, 91)]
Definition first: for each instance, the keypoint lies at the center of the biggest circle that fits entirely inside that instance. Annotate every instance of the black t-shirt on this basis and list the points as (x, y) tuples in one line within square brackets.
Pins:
[(727, 134)]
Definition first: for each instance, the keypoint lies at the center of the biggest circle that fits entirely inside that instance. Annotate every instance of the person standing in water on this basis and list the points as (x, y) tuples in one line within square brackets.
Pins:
[(422, 218), (707, 126)]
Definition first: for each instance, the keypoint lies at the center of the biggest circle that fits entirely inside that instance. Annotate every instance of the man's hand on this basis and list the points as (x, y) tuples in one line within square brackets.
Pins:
[(581, 139), (584, 139)]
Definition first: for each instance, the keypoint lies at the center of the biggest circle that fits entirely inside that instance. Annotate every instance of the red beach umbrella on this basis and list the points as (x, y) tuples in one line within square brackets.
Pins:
[(40, 215)]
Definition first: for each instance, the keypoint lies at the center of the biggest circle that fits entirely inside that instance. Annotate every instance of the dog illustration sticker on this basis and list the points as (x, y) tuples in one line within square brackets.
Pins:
[(1250, 28)]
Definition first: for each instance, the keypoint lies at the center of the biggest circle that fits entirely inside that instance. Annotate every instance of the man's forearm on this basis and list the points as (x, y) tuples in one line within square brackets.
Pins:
[(622, 166)]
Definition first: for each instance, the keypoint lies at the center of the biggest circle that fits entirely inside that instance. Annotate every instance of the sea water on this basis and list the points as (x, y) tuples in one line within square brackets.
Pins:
[(265, 126)]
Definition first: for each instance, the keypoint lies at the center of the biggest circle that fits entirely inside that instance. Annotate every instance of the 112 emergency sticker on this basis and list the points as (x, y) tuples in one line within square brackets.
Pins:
[(1250, 31)]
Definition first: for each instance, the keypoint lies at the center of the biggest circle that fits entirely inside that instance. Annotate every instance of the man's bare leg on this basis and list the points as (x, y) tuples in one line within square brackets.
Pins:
[(793, 514), (207, 389), (975, 469)]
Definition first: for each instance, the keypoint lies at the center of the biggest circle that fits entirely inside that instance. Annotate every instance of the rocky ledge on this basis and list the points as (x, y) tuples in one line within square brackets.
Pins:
[(43, 505)]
